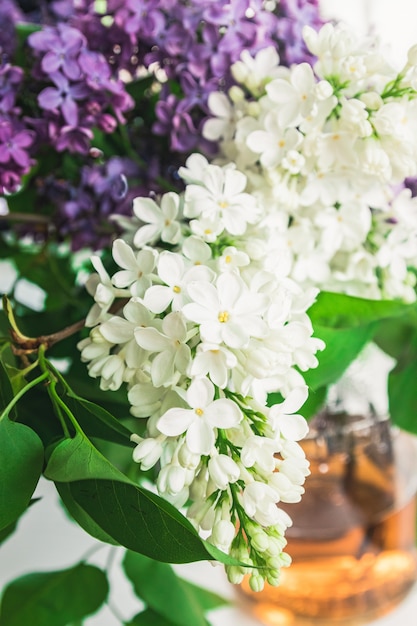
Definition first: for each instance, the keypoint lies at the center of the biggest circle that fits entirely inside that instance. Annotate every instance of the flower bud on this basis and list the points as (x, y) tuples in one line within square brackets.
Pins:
[(256, 582), (147, 452), (223, 534), (234, 574)]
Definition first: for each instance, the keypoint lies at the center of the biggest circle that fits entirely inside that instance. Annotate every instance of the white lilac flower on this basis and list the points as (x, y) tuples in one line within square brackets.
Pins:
[(200, 421), (305, 194), (221, 199), (213, 360), (173, 354), (325, 150), (100, 286), (175, 273), (227, 312), (160, 220), (137, 268)]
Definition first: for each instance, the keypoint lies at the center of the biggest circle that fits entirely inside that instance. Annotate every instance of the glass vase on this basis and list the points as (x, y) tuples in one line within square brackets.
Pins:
[(353, 536)]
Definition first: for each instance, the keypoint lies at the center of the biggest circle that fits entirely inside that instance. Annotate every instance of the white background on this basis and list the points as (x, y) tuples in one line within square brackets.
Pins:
[(46, 540)]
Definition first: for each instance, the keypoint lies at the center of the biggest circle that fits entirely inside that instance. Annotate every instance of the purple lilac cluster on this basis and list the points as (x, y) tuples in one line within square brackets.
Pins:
[(10, 14), (171, 54), (83, 210), (15, 137), (81, 90), (194, 43)]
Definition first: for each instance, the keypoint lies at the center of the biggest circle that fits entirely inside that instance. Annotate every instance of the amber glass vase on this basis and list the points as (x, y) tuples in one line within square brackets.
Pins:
[(353, 536)]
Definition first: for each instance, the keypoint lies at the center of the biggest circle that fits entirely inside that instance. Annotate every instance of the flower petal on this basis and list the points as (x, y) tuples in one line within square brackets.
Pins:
[(175, 421)]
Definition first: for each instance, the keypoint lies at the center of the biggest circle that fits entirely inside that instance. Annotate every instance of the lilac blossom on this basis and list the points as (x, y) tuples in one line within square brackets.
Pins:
[(15, 140), (84, 211), (63, 96), (61, 46), (75, 64)]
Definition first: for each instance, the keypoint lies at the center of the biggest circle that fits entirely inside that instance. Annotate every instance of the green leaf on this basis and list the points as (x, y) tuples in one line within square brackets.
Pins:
[(340, 311), (208, 600), (163, 591), (21, 464), (129, 514), (402, 395), (7, 531), (54, 598), (149, 618), (77, 459), (81, 517), (96, 421), (342, 347), (140, 520), (36, 403)]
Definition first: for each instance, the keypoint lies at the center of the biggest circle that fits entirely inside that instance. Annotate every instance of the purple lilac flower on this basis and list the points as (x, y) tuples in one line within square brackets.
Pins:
[(195, 42), (15, 140), (61, 47), (84, 211), (9, 16), (63, 96), (83, 90), (10, 80)]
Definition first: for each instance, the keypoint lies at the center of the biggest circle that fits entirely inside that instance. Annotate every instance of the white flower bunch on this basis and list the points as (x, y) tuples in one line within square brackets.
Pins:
[(201, 322), (326, 150)]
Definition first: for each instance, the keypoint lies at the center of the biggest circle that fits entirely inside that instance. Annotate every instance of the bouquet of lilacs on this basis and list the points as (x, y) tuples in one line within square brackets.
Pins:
[(245, 197), (101, 102), (330, 149), (203, 333), (308, 192)]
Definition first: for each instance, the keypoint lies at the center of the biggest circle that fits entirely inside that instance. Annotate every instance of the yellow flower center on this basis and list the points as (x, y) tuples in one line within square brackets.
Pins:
[(223, 317), (199, 412), (228, 258), (223, 204), (176, 289)]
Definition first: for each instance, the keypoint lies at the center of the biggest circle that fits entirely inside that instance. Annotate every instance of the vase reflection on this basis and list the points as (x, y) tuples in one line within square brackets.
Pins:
[(353, 536)]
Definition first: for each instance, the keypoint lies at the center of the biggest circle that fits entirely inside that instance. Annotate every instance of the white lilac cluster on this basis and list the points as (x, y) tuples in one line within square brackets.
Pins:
[(201, 324), (326, 150)]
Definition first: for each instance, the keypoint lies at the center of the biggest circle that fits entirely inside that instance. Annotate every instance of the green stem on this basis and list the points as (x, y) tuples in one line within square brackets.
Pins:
[(22, 392), (61, 407)]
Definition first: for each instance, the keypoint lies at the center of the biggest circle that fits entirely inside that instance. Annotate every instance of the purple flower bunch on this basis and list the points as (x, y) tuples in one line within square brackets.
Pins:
[(83, 210), (81, 89), (126, 80), (190, 46), (15, 137)]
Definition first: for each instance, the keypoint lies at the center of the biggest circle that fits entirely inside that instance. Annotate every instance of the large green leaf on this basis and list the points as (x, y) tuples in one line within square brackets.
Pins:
[(402, 393), (341, 311), (129, 514), (342, 347), (6, 532), (148, 617), (208, 600), (166, 593), (77, 459), (21, 461), (81, 517), (140, 521), (54, 598)]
